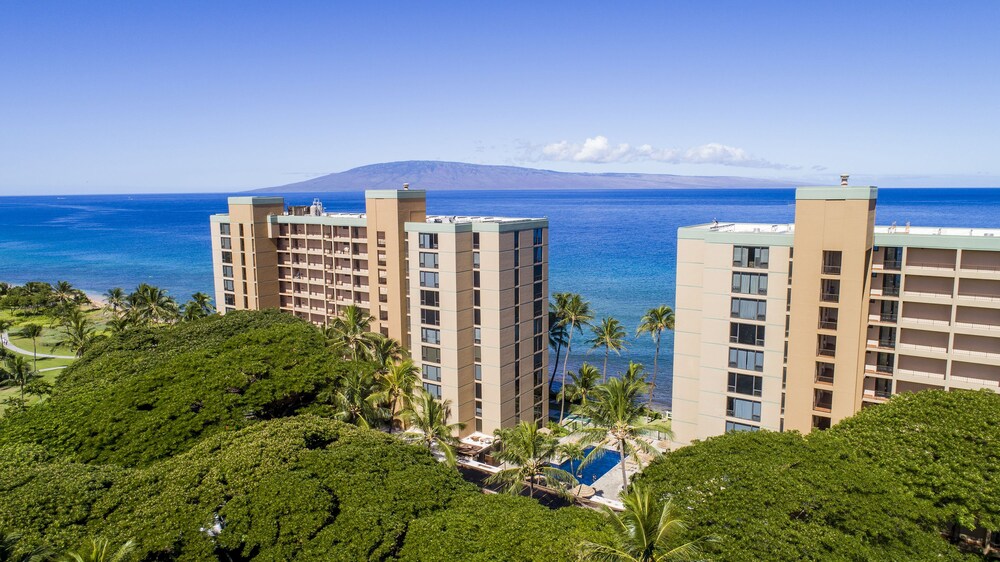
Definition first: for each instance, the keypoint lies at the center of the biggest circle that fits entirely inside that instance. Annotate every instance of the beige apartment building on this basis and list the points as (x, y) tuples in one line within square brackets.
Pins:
[(797, 326), (467, 295)]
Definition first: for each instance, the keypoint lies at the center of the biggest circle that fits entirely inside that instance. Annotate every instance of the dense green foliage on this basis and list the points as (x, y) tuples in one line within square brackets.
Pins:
[(120, 454), (879, 486), (154, 392), (941, 445)]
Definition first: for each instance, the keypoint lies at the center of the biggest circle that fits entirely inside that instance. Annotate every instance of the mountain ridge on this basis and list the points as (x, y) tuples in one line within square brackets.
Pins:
[(443, 175)]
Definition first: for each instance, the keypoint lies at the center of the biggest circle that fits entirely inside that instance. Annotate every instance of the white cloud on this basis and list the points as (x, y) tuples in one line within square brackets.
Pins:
[(600, 150)]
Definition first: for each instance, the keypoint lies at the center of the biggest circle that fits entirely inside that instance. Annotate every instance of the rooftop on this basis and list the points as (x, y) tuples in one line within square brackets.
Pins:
[(454, 219), (785, 228)]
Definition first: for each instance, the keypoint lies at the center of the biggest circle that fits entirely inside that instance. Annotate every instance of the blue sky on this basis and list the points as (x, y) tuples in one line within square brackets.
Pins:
[(186, 96)]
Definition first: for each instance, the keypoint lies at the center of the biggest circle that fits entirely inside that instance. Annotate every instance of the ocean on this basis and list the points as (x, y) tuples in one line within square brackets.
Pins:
[(616, 248)]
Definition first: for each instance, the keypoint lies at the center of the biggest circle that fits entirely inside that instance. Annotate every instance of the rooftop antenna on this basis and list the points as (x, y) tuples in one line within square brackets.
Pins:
[(843, 179)]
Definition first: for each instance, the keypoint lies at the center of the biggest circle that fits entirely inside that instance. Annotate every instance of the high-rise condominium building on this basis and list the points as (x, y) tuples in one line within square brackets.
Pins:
[(467, 295), (797, 326)]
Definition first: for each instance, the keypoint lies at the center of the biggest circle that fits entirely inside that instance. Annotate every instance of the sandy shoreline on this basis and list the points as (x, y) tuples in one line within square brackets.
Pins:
[(97, 300)]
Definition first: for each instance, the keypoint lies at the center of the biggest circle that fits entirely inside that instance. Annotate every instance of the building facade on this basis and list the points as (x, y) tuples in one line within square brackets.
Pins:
[(467, 295), (797, 326)]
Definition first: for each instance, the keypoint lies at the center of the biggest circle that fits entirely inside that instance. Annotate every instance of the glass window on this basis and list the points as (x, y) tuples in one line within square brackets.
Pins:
[(538, 273), (430, 298), (750, 385), (227, 243), (429, 279), (475, 240), (428, 241), (433, 389), (538, 254), (746, 359), (428, 260), (750, 283), (430, 335), (538, 236), (430, 316), (517, 240), (537, 326), (227, 257), (733, 426), (224, 228), (475, 279), (227, 271), (743, 409), (227, 284), (475, 259), (751, 256), (479, 372), (431, 354), (477, 335), (748, 309), (746, 334), (431, 372), (230, 299)]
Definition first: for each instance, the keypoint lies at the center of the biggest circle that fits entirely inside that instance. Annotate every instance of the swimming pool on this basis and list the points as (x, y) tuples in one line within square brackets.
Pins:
[(598, 467)]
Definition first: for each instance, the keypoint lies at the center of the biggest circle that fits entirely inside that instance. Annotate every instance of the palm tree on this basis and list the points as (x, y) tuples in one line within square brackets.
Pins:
[(581, 385), (644, 533), (356, 399), (635, 372), (8, 546), (530, 454), (99, 550), (149, 304), (429, 416), (609, 334), (16, 372), (350, 332), (204, 302), (191, 311), (64, 293), (79, 335), (574, 316), (384, 351), (116, 299), (121, 323), (573, 451), (396, 386), (557, 331), (617, 420), (654, 322), (33, 331)]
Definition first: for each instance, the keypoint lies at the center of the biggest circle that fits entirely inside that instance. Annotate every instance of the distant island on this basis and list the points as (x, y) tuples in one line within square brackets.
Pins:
[(430, 174)]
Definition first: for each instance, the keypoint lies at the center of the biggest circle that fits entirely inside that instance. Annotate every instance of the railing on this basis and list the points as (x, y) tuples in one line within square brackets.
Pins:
[(736, 340), (828, 324), (975, 381), (971, 352), (918, 347), (888, 317), (830, 297), (943, 266), (830, 269), (824, 379), (890, 291), (980, 267), (877, 394), (979, 297), (883, 368), (823, 406), (920, 374), (976, 326), (827, 351), (927, 294), (928, 321)]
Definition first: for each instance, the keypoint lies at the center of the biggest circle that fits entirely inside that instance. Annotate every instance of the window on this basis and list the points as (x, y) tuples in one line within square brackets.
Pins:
[(227, 284), (479, 409), (538, 237), (750, 385), (477, 316), (750, 256), (428, 260), (827, 345), (224, 228), (428, 241), (431, 372), (822, 400), (517, 240), (476, 297), (892, 258), (227, 271), (743, 409), (831, 262), (537, 291), (890, 285), (538, 254), (889, 310), (432, 354), (380, 238), (750, 283), (227, 243), (433, 389), (748, 309), (517, 257), (887, 337), (429, 279), (883, 388), (538, 343), (430, 316), (821, 422), (227, 257), (536, 362), (733, 426), (230, 299), (824, 372), (746, 334), (537, 326), (828, 318), (477, 353), (476, 279), (538, 273), (430, 335), (746, 359), (479, 391), (830, 290), (475, 240), (479, 372), (430, 298), (884, 363), (477, 335), (475, 260)]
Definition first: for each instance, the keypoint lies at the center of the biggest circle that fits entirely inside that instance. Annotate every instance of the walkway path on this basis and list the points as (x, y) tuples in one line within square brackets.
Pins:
[(15, 349)]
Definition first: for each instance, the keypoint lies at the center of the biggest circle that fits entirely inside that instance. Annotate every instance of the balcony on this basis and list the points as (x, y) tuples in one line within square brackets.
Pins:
[(830, 297), (876, 395)]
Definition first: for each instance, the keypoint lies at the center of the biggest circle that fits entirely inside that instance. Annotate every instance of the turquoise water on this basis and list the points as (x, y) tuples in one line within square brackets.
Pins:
[(617, 248), (598, 467)]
